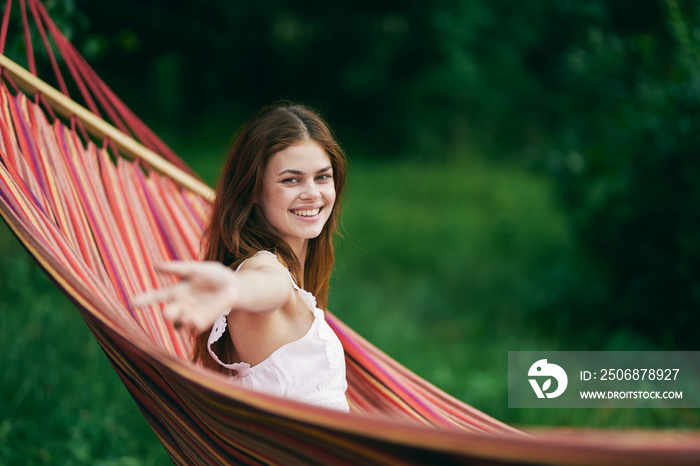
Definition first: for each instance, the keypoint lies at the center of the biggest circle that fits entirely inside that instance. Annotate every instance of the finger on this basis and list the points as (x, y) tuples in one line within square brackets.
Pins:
[(183, 269), (174, 292), (173, 312), (153, 296), (198, 324), (180, 318)]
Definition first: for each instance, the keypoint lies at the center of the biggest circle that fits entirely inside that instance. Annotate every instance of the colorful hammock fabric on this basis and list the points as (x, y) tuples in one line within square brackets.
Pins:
[(96, 223)]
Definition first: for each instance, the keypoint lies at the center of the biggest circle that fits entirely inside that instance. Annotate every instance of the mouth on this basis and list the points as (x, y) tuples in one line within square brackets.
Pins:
[(307, 212)]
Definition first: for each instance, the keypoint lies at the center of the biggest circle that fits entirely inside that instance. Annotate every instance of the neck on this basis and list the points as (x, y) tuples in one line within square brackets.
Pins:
[(299, 249)]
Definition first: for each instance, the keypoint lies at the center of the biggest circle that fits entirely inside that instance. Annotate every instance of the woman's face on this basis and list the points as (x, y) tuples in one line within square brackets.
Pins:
[(298, 193)]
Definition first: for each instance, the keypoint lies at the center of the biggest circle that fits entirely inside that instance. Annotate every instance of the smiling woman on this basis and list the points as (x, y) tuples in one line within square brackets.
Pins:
[(268, 241)]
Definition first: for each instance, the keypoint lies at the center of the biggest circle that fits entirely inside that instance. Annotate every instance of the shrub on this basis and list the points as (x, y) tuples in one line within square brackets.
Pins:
[(628, 172)]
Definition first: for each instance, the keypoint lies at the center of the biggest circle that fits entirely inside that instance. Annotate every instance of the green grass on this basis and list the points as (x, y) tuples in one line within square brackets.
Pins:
[(441, 264), (448, 267), (444, 267)]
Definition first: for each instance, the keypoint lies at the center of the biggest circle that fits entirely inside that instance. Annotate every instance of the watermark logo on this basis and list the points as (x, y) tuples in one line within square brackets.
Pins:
[(541, 369)]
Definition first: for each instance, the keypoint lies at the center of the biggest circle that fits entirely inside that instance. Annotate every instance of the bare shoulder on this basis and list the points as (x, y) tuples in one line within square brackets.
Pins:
[(263, 286), (266, 262)]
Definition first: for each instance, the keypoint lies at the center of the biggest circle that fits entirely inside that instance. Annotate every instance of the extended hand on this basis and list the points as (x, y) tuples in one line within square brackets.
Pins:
[(203, 294)]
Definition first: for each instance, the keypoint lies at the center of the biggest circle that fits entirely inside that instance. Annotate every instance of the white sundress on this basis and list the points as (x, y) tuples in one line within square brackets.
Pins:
[(310, 369)]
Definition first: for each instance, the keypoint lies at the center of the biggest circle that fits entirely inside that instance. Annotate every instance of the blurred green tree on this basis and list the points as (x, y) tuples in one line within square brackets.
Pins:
[(396, 78), (629, 173)]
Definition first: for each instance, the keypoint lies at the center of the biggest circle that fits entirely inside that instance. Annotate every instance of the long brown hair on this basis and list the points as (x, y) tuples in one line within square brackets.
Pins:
[(237, 228)]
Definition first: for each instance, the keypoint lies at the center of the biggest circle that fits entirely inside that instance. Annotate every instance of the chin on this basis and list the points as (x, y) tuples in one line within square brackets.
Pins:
[(312, 235)]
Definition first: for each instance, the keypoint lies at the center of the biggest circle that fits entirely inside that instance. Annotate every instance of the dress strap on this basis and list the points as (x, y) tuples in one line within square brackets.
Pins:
[(294, 284), (308, 298)]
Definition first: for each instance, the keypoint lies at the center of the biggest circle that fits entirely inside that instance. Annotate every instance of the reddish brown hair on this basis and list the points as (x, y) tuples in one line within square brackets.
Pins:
[(237, 229)]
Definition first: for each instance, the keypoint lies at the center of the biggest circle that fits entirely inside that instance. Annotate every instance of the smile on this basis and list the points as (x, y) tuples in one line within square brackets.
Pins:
[(306, 213)]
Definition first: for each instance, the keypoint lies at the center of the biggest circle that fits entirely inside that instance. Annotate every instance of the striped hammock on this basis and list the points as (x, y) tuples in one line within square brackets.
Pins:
[(96, 216)]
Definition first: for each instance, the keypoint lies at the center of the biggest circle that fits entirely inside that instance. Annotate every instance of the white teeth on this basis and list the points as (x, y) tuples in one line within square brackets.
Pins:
[(306, 213)]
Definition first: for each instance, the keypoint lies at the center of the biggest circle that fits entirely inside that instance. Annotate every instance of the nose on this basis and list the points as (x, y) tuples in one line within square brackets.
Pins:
[(310, 190)]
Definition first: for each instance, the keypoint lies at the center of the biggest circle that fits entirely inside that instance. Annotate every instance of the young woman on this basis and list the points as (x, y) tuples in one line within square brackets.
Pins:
[(268, 251)]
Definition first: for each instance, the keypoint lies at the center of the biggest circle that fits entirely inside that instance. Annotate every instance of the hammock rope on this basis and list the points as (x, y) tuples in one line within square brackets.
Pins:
[(96, 223)]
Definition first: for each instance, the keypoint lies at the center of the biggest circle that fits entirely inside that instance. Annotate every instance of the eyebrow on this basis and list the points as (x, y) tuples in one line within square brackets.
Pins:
[(297, 172)]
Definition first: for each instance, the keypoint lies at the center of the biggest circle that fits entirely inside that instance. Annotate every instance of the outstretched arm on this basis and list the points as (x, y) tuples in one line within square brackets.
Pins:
[(207, 290)]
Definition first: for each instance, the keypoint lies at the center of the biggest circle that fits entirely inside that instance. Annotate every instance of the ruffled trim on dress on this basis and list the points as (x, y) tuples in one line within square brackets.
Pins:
[(216, 332)]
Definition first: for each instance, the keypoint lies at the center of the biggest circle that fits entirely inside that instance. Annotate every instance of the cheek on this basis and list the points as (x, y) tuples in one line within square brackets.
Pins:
[(270, 204), (277, 197), (330, 195)]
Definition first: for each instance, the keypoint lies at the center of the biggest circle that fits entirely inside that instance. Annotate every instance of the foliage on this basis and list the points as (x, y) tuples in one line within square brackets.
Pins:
[(398, 77), (628, 173), (393, 77), (68, 18)]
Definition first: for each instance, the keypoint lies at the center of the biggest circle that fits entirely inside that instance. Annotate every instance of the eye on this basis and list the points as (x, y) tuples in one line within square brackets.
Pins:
[(290, 180), (324, 177)]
